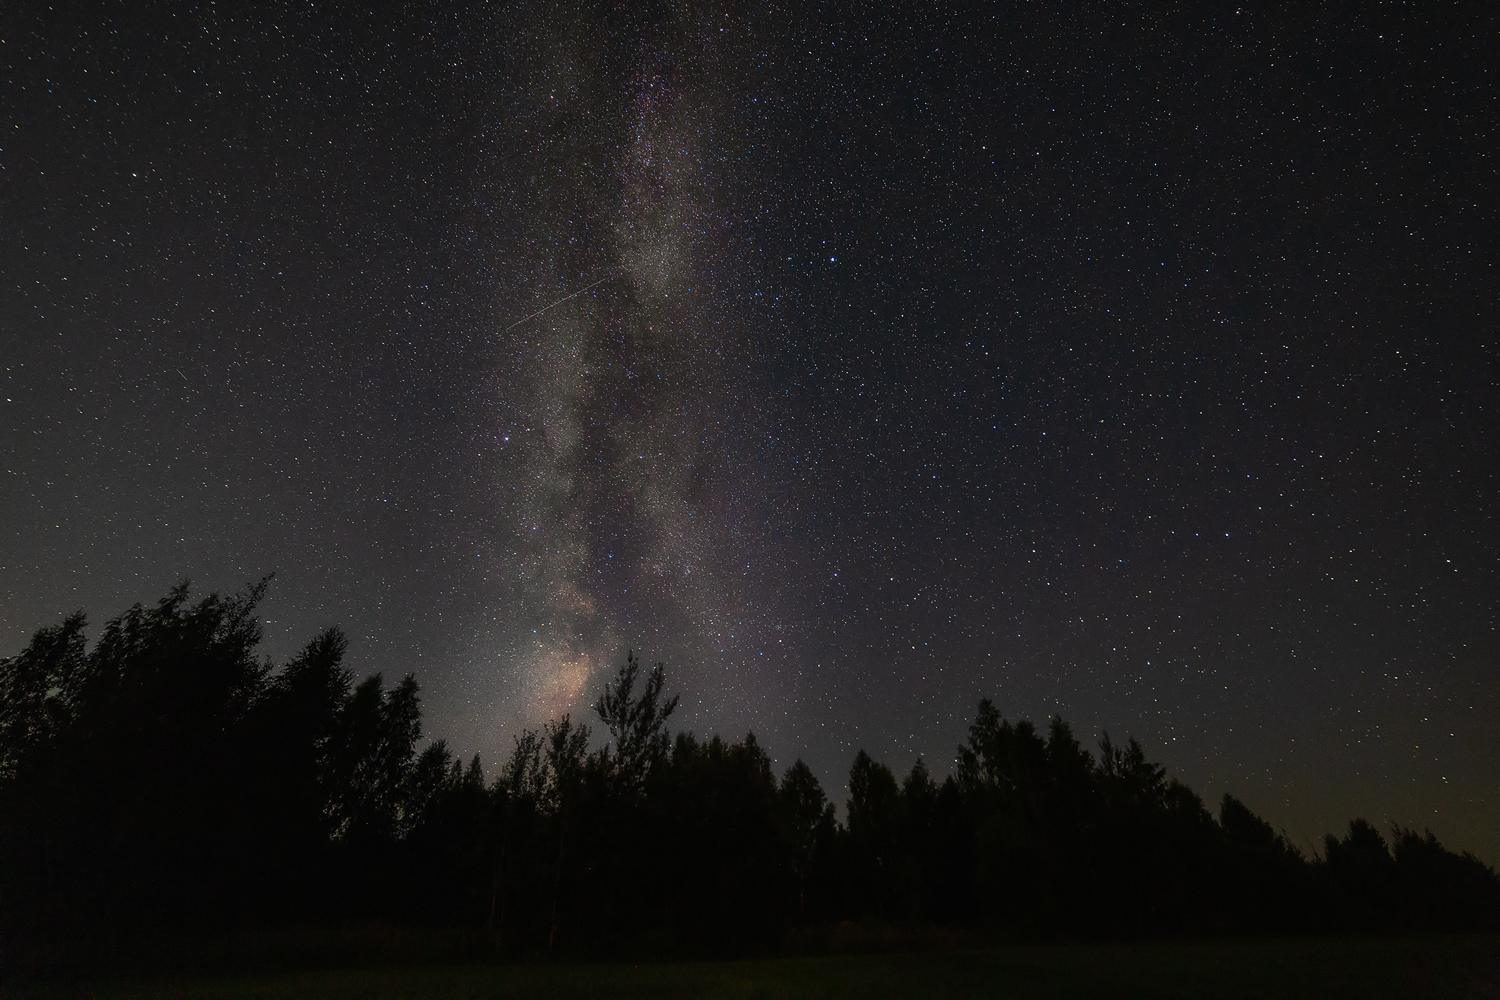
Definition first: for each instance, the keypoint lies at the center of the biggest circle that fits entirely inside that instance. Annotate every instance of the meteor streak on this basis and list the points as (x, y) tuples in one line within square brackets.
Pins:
[(560, 301)]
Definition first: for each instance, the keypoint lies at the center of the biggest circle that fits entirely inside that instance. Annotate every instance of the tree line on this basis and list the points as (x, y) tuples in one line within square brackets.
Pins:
[(168, 778)]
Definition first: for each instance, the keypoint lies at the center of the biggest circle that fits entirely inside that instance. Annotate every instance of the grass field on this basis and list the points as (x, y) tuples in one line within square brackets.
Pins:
[(1438, 967)]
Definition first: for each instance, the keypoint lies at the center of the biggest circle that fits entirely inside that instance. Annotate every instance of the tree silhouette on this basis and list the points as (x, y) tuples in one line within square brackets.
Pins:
[(566, 752), (519, 793), (366, 760), (637, 724), (37, 690), (1441, 890), (169, 779), (1261, 875), (874, 831), (287, 778), (810, 818)]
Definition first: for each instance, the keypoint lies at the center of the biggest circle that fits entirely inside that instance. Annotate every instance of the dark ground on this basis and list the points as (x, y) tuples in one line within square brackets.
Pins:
[(1365, 967)]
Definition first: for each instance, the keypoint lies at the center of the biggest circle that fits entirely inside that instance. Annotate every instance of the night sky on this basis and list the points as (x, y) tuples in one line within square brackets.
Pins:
[(1139, 368)]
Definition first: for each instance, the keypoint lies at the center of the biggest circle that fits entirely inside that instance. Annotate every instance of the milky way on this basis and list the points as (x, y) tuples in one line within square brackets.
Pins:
[(623, 493)]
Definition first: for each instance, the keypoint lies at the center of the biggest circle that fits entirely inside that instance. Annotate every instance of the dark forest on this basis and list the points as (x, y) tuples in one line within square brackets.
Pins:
[(167, 780)]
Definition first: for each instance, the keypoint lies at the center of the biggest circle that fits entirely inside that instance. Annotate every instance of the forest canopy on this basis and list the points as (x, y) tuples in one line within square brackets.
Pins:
[(167, 777)]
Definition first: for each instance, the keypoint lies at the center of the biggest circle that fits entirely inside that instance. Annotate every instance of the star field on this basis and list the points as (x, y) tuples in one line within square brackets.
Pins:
[(1132, 367)]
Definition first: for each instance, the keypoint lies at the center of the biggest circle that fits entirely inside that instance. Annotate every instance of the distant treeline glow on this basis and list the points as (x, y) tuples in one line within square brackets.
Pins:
[(168, 778)]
